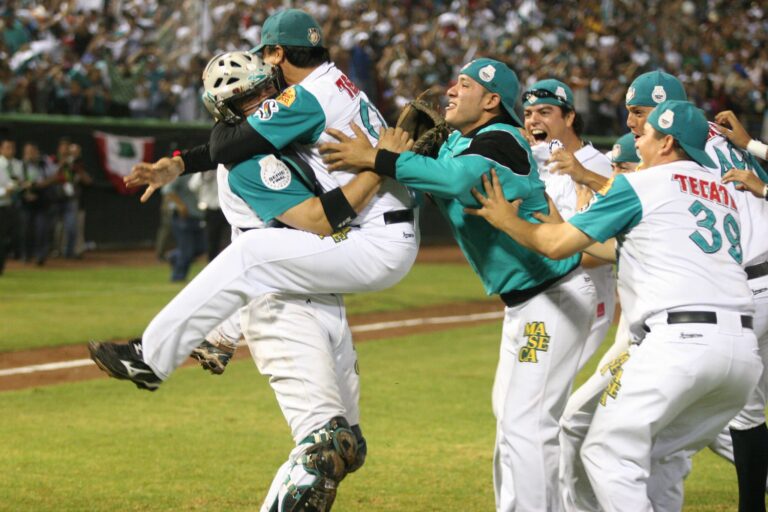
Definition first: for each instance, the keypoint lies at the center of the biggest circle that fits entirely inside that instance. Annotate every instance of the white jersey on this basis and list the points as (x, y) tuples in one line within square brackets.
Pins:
[(239, 215), (753, 211), (298, 120), (562, 190), (679, 241)]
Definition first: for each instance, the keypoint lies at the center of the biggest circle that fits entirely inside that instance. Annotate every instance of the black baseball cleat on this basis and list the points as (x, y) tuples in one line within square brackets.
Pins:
[(124, 361)]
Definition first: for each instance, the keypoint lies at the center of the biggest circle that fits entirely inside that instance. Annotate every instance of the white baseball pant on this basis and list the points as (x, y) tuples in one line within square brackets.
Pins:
[(284, 260), (540, 344), (605, 287), (676, 391)]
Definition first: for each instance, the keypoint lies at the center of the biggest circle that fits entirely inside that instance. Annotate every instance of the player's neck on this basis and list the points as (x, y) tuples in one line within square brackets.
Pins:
[(572, 142), (294, 75)]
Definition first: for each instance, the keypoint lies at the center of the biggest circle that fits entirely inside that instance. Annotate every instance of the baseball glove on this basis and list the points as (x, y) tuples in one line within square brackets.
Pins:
[(425, 126)]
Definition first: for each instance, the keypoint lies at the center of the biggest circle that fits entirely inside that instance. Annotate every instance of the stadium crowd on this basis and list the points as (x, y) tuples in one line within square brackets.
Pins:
[(144, 58)]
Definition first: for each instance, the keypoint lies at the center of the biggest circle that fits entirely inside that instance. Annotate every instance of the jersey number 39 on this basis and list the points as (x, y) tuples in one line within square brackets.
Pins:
[(708, 222)]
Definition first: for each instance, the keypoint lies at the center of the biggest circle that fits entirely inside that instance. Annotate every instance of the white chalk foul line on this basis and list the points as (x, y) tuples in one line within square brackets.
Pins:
[(379, 326)]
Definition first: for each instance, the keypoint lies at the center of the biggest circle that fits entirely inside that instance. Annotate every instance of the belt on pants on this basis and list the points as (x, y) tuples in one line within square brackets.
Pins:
[(699, 317), (755, 271), (398, 216)]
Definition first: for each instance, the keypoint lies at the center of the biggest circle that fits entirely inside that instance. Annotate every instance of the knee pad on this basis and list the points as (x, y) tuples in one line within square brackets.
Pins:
[(362, 450), (324, 459)]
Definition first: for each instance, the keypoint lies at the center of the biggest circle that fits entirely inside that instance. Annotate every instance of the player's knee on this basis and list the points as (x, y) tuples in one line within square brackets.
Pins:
[(334, 449)]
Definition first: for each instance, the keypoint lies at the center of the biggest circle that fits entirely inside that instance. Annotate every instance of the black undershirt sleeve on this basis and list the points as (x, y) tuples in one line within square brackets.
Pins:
[(231, 144), (386, 163), (197, 159), (501, 147)]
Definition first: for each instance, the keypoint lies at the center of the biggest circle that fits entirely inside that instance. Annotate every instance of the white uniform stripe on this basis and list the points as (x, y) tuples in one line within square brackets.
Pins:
[(379, 326)]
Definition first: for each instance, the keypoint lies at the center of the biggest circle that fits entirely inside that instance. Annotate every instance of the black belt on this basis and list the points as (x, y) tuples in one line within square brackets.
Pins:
[(398, 216), (516, 297), (755, 271), (699, 317)]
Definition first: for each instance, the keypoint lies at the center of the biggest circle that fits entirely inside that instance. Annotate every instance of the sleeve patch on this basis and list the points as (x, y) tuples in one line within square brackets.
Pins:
[(287, 97), (275, 174), (267, 110)]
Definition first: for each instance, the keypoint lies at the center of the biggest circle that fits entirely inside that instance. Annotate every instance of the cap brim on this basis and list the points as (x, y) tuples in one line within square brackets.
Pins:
[(511, 111), (699, 155), (259, 48)]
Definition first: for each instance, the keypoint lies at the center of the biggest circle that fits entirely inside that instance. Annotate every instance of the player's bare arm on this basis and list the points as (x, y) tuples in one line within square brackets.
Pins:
[(555, 241), (747, 180), (356, 154), (313, 214)]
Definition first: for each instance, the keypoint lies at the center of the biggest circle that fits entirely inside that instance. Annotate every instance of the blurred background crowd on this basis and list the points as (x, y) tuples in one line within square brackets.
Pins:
[(144, 58)]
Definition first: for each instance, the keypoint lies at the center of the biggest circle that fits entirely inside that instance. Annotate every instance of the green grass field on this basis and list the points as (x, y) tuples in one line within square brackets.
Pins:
[(212, 443)]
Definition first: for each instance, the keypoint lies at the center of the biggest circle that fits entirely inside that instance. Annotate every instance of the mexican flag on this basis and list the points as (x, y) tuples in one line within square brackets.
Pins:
[(119, 153)]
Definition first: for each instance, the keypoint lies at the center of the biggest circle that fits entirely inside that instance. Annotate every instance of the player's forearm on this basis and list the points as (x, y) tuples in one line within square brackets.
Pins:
[(196, 159), (600, 254), (230, 144), (592, 180), (550, 240), (362, 189)]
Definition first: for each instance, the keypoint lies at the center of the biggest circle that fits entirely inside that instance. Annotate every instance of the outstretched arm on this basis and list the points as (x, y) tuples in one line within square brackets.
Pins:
[(555, 241)]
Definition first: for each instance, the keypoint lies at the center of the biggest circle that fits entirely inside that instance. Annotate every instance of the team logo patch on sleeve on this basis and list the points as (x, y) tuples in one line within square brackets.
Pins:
[(274, 173), (538, 341), (267, 110), (606, 187), (287, 97)]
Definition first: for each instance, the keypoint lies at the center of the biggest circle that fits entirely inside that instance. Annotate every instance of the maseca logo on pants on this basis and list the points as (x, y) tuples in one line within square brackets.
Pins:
[(538, 341), (615, 367)]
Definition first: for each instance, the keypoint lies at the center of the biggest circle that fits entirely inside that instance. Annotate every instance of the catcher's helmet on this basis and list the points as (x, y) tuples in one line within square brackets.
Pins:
[(230, 77)]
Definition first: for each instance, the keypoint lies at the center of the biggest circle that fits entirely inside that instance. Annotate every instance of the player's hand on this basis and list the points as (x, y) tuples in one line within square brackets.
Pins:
[(553, 217), (564, 162), (395, 140), (729, 125), (348, 154), (154, 175), (494, 206), (745, 180)]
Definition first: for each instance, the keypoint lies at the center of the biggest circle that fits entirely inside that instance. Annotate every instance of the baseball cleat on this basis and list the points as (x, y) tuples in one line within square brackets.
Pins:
[(124, 361), (213, 358)]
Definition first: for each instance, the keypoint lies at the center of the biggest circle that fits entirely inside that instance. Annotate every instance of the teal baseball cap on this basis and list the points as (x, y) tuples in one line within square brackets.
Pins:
[(498, 78), (291, 27), (654, 87), (687, 124), (549, 92), (624, 150)]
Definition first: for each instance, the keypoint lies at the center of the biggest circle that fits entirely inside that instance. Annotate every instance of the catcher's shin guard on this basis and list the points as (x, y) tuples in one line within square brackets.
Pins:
[(310, 478)]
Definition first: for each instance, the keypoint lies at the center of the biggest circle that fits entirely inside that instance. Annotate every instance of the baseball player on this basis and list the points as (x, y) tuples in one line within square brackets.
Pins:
[(684, 292), (550, 119), (370, 237), (624, 155), (549, 304), (302, 342)]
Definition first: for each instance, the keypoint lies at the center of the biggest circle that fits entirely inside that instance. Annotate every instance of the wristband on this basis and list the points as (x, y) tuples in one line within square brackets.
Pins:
[(758, 149), (337, 209)]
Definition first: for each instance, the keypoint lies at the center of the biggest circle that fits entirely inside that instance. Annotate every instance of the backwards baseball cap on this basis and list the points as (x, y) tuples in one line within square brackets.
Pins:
[(497, 78), (650, 89), (687, 124), (549, 92), (291, 27), (624, 150)]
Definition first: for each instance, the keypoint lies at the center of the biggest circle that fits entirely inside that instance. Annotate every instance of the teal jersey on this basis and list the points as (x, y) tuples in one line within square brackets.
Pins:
[(294, 116), (502, 264), (268, 186)]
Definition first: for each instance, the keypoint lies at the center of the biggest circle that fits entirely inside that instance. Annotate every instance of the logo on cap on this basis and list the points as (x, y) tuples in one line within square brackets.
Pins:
[(666, 119), (630, 95), (560, 93), (313, 35), (616, 153), (659, 94), (487, 73)]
